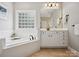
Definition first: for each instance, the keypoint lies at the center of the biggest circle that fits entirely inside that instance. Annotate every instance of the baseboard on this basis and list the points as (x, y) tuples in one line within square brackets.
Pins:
[(74, 51)]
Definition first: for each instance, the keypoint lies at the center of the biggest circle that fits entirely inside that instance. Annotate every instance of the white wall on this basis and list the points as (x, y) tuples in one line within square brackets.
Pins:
[(6, 26), (28, 6), (10, 23), (73, 10)]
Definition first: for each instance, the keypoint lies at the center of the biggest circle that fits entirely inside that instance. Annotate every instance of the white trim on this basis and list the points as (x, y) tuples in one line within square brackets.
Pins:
[(73, 51)]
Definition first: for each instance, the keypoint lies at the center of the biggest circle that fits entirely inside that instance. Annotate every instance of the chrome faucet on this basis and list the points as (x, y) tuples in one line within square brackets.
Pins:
[(31, 37)]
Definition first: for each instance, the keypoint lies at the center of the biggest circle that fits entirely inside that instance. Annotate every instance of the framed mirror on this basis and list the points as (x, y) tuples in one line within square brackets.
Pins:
[(51, 18)]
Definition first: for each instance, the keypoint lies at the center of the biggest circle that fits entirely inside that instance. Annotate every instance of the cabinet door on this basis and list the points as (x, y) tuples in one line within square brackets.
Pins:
[(43, 38), (60, 36), (43, 35), (66, 38)]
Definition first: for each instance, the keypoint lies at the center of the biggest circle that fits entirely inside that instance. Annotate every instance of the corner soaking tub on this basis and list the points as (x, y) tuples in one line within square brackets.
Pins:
[(20, 48)]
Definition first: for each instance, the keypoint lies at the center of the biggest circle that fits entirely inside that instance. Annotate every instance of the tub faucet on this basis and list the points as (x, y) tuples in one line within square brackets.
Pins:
[(31, 37)]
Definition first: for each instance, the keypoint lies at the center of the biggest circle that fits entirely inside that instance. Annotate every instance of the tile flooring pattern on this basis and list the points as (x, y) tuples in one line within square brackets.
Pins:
[(53, 53)]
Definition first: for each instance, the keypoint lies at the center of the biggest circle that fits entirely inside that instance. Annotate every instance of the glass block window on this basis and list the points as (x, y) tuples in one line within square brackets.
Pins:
[(26, 20)]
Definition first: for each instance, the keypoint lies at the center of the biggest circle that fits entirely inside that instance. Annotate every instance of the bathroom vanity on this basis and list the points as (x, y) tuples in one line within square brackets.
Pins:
[(52, 31), (54, 38)]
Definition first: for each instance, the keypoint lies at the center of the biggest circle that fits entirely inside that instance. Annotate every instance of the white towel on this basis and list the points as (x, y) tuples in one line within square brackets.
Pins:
[(76, 29)]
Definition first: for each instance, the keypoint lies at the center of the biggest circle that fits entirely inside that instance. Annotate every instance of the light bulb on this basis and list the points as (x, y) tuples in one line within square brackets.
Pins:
[(46, 5), (51, 5), (57, 4)]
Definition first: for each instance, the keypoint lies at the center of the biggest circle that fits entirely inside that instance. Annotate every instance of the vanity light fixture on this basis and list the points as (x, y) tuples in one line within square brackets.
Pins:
[(52, 5)]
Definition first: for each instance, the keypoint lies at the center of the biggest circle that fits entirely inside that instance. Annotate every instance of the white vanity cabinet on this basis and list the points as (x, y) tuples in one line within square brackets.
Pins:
[(54, 38)]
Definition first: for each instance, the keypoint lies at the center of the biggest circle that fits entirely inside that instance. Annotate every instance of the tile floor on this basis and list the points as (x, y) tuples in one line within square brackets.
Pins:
[(49, 52)]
